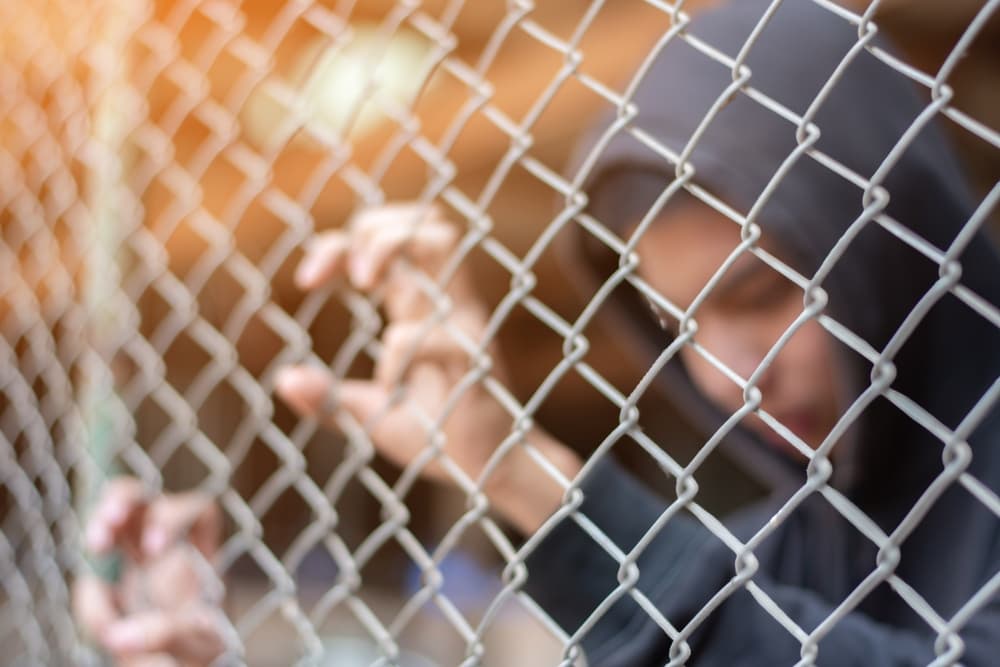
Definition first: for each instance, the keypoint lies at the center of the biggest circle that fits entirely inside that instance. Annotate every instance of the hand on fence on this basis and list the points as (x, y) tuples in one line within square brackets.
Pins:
[(160, 613), (429, 350)]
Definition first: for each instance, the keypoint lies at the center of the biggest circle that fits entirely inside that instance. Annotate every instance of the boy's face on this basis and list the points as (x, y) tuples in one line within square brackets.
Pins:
[(740, 320)]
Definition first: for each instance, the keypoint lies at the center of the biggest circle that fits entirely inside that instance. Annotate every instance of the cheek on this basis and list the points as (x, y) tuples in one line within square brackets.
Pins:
[(806, 363), (712, 384)]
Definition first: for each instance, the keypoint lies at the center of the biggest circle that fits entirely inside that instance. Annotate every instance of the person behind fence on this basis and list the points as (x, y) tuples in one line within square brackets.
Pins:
[(867, 569)]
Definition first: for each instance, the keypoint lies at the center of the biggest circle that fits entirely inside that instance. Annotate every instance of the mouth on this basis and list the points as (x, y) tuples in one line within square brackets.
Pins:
[(802, 422)]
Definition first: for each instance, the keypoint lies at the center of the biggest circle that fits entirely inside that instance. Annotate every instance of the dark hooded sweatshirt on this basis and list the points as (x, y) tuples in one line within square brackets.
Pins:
[(815, 563)]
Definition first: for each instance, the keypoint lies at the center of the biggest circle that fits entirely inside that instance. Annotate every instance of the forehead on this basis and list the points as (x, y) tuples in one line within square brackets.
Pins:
[(681, 251)]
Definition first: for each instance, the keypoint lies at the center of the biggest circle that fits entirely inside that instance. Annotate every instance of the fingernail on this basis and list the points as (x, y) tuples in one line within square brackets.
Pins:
[(284, 377), (305, 275), (154, 541), (361, 271), (98, 538), (125, 636), (116, 514)]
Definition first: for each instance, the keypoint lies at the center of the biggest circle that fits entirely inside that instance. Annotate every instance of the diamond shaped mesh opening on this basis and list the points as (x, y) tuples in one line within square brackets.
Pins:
[(165, 167)]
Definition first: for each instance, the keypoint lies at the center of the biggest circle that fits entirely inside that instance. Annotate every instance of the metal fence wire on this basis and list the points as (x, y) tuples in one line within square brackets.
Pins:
[(164, 166)]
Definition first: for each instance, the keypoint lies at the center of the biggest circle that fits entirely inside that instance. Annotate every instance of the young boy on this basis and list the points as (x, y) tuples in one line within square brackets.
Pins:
[(849, 379)]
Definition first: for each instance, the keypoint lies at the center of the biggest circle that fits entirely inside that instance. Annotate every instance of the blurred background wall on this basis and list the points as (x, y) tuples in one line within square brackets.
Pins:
[(216, 153)]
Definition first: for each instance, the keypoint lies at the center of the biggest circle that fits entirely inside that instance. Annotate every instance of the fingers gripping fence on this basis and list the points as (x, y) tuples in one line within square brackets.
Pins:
[(162, 168)]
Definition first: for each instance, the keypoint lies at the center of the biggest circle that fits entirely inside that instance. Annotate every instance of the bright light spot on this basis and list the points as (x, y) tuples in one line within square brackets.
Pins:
[(343, 89)]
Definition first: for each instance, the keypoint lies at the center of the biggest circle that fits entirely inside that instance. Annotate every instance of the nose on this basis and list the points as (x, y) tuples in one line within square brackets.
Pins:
[(737, 349)]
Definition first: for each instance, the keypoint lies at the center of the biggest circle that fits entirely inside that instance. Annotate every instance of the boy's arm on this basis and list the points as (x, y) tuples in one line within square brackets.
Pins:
[(430, 346), (571, 577)]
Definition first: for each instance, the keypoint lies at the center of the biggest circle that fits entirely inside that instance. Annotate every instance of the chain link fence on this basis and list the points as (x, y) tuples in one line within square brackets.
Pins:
[(162, 167)]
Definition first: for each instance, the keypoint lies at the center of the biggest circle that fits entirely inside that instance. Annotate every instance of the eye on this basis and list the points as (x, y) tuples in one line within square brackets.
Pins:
[(760, 294), (769, 295)]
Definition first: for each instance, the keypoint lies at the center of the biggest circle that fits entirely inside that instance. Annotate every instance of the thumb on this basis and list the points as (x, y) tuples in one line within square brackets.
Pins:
[(193, 635), (94, 605), (171, 518), (363, 400), (314, 392)]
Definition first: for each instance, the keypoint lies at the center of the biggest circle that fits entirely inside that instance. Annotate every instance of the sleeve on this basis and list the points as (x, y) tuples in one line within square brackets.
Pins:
[(570, 576)]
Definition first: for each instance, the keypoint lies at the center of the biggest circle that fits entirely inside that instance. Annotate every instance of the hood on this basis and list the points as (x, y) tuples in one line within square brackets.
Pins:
[(951, 357)]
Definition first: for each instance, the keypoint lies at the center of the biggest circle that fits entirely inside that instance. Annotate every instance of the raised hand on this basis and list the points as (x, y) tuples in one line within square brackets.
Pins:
[(430, 343), (164, 610)]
